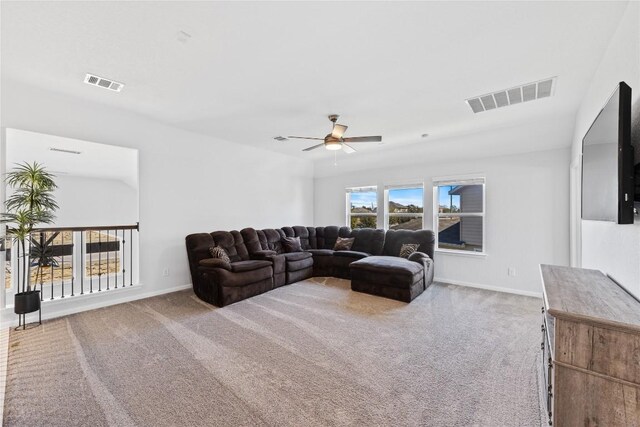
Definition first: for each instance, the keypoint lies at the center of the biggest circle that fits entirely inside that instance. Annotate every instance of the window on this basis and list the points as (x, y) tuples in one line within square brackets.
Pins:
[(362, 207), (459, 215), (405, 207)]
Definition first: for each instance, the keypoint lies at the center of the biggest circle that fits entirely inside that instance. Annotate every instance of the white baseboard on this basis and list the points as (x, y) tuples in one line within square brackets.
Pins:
[(489, 288), (76, 304)]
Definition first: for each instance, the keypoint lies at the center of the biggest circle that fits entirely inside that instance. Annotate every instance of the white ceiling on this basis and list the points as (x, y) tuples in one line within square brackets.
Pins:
[(94, 161), (254, 70)]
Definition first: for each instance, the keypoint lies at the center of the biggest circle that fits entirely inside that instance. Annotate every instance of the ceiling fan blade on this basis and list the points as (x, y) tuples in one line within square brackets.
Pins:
[(313, 147), (338, 130), (348, 149), (305, 137), (363, 139)]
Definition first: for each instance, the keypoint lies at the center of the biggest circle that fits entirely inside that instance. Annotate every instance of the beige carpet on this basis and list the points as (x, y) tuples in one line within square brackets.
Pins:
[(313, 353)]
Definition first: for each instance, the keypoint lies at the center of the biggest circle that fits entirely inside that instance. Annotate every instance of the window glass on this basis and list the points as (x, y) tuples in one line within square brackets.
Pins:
[(363, 207), (405, 208), (460, 216)]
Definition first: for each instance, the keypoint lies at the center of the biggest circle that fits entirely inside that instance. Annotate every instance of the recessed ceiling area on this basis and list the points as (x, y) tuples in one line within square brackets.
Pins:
[(72, 157), (248, 71)]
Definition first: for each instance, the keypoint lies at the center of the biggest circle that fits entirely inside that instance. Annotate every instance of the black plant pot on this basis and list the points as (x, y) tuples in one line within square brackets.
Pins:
[(26, 302)]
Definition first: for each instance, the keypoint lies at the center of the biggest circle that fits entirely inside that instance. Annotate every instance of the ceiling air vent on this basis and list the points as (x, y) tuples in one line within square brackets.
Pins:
[(280, 138), (514, 95), (103, 83)]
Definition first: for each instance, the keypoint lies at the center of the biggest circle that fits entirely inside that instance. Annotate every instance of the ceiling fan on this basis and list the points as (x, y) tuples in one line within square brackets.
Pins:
[(335, 141)]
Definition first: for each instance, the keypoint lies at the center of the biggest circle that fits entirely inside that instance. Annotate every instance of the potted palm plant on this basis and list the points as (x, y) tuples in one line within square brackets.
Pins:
[(31, 203)]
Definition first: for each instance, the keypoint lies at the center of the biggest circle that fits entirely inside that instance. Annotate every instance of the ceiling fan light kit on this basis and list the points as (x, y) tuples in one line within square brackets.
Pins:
[(335, 141), (333, 145)]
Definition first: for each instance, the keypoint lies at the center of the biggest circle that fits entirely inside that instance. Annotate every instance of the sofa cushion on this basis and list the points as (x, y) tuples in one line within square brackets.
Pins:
[(297, 256), (291, 244), (215, 263), (228, 278), (304, 235), (368, 240), (251, 240), (326, 236), (299, 264), (240, 266), (232, 243), (271, 239), (321, 252), (394, 240), (351, 254), (343, 243), (388, 264)]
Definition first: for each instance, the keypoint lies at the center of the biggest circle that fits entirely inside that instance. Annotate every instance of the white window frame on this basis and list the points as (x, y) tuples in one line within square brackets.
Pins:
[(363, 189), (462, 180), (388, 214)]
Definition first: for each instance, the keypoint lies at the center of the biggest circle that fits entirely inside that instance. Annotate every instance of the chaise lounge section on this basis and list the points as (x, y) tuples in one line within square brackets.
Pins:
[(394, 277), (260, 261)]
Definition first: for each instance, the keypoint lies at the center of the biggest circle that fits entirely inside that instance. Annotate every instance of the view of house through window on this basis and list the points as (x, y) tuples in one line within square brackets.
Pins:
[(362, 205), (460, 215), (405, 207)]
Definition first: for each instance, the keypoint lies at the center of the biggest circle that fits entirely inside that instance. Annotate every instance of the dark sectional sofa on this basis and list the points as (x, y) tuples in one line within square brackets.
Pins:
[(260, 263)]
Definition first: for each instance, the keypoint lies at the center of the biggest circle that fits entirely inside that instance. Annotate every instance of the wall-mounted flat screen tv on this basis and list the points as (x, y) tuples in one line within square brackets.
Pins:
[(607, 162)]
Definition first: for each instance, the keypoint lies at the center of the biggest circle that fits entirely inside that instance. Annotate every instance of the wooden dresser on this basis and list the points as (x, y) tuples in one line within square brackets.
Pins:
[(591, 349)]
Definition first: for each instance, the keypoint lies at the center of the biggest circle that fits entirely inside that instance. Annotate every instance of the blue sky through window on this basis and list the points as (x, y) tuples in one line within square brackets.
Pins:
[(367, 199), (444, 199), (407, 196)]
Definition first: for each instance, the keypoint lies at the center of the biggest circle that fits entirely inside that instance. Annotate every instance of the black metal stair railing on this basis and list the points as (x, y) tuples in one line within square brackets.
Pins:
[(105, 260)]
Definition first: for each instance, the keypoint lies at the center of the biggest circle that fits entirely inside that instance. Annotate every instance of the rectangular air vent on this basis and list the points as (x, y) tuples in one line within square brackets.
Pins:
[(103, 83), (514, 95)]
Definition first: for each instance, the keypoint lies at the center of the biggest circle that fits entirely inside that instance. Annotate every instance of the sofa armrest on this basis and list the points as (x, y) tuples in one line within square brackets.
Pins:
[(214, 263), (263, 255), (418, 257), (427, 262)]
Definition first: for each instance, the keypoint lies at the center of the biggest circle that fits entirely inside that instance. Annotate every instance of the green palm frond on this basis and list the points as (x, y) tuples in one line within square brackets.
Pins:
[(31, 203)]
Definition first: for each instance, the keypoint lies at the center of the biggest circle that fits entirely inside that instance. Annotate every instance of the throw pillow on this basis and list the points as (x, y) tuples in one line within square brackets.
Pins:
[(220, 253), (344, 243), (407, 249), (291, 244)]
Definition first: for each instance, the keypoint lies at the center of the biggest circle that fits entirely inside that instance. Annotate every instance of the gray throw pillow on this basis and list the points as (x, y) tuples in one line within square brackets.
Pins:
[(220, 253), (291, 244), (407, 249), (344, 243)]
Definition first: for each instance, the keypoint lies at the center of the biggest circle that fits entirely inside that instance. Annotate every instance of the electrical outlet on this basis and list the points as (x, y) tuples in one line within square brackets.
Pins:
[(511, 271), (165, 272)]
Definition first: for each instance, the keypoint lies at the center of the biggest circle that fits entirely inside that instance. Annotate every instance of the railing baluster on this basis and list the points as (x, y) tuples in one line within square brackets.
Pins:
[(90, 262), (124, 280), (99, 261), (41, 276), (82, 262), (131, 257), (73, 261), (62, 257), (108, 265), (117, 255), (52, 263)]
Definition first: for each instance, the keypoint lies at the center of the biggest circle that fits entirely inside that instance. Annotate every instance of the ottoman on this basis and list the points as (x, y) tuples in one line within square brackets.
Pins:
[(388, 276)]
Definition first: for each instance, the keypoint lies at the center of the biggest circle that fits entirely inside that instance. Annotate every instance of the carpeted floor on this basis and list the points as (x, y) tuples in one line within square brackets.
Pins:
[(313, 353)]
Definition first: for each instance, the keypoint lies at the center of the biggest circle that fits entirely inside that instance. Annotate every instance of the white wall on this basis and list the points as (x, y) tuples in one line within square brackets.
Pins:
[(188, 182), (87, 201), (527, 197), (612, 248)]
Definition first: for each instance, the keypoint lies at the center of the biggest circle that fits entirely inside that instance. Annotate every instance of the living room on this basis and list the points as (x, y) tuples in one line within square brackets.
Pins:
[(215, 103)]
